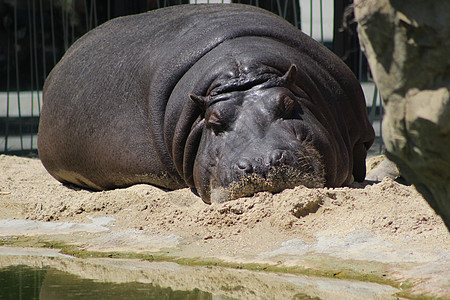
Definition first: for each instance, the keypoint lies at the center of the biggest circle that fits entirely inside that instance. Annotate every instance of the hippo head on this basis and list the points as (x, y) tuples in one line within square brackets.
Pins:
[(256, 138)]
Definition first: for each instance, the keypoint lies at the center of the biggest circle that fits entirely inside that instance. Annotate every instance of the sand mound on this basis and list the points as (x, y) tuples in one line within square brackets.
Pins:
[(387, 207)]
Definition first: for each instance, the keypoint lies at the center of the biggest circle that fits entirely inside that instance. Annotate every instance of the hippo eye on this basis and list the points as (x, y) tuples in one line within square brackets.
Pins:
[(285, 106), (215, 122)]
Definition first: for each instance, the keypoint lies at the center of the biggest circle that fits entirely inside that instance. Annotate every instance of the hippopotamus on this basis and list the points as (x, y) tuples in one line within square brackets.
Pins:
[(226, 99)]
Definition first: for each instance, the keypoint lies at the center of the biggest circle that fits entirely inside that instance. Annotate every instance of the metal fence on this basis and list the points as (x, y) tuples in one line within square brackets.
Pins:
[(34, 34)]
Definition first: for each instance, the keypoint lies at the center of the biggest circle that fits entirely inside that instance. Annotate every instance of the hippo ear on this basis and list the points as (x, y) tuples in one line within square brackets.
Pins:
[(289, 77), (201, 101)]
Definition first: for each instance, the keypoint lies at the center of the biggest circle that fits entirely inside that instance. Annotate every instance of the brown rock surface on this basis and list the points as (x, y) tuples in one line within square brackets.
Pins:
[(407, 44)]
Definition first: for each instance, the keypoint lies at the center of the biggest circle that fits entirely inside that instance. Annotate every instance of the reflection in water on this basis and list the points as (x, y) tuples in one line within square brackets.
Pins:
[(22, 282), (46, 274)]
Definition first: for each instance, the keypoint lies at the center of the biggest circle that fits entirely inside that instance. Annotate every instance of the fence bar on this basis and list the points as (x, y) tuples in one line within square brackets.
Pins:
[(16, 51), (31, 28), (321, 22), (43, 40), (311, 19), (52, 25)]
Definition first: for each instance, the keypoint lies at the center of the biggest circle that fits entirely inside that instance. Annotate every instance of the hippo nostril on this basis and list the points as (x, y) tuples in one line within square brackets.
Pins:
[(245, 166), (277, 158)]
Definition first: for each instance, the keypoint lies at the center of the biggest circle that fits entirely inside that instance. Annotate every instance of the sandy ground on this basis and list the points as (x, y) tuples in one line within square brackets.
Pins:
[(383, 222)]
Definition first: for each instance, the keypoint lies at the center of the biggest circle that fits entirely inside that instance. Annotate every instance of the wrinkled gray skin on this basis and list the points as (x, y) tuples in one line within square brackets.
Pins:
[(226, 99)]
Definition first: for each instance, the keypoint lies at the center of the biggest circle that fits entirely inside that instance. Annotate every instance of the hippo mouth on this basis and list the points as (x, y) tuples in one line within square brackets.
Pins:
[(308, 172)]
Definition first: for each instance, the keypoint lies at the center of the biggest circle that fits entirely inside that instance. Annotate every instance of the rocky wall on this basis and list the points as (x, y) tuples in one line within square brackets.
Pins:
[(407, 44)]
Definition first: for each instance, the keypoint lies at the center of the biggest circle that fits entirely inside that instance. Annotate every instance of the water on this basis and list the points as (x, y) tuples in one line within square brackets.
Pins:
[(23, 282), (27, 273)]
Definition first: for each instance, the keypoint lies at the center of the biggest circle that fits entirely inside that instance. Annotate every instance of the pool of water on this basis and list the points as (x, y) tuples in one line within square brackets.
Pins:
[(46, 274), (24, 282)]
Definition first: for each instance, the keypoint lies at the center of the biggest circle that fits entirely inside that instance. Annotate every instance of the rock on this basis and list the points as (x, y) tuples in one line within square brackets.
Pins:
[(407, 44), (385, 168)]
